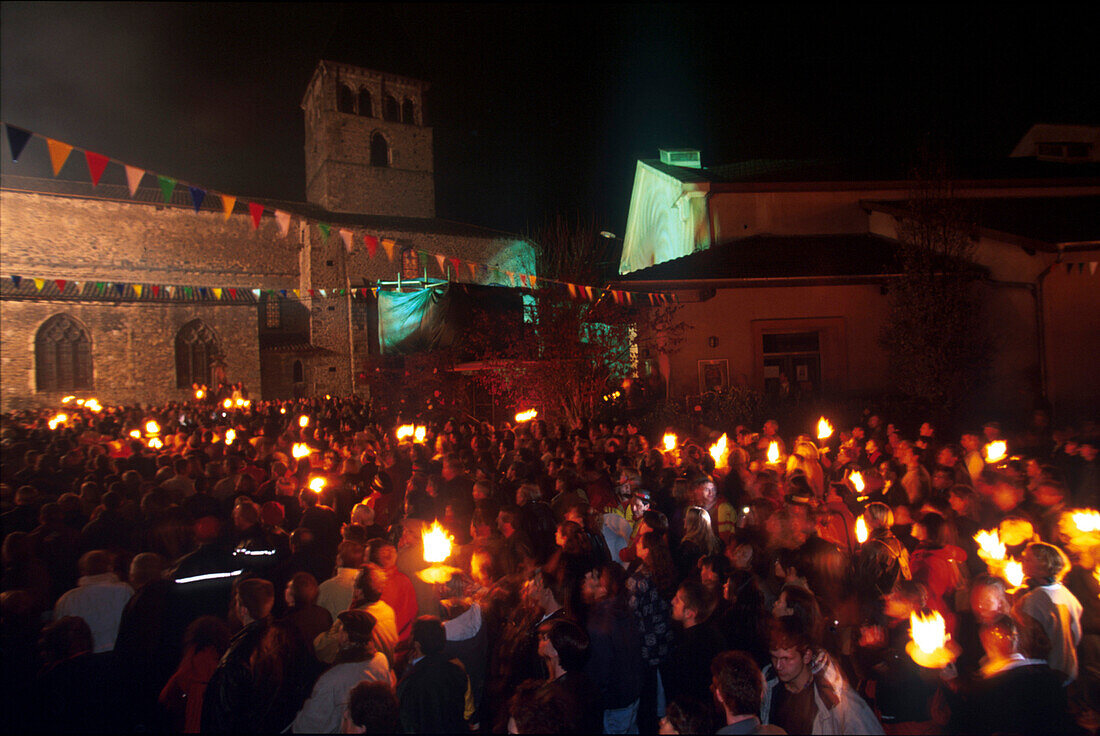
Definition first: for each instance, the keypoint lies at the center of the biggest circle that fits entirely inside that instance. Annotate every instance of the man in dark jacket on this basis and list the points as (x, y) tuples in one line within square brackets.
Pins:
[(432, 693), (686, 672), (615, 648)]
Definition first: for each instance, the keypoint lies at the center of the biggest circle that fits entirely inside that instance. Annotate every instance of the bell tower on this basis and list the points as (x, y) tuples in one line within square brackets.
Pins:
[(368, 150)]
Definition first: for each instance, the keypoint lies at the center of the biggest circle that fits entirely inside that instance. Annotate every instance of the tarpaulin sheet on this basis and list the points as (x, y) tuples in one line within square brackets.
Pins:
[(413, 322)]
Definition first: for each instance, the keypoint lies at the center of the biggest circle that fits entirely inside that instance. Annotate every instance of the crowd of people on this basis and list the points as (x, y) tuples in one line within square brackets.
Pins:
[(261, 566)]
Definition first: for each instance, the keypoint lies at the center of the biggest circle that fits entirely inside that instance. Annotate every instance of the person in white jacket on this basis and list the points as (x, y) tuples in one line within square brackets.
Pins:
[(1051, 606)]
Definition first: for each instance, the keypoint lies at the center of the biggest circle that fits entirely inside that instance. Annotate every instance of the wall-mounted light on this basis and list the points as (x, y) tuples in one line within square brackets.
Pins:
[(712, 341)]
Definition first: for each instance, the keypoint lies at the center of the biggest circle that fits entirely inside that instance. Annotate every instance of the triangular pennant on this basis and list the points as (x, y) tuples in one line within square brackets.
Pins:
[(442, 261), (282, 292), (256, 293), (312, 293), (374, 291), (629, 298), (615, 296), (257, 211), (324, 228), (59, 152), (134, 175), (99, 287), (523, 279), (138, 288), (167, 186), (120, 288), (1092, 268), (652, 299), (372, 245), (232, 292), (473, 269), (347, 236), (39, 283), (202, 292), (532, 280), (197, 196), (60, 283), (363, 292), (323, 294), (188, 292), (16, 280), (388, 246), (590, 293), (572, 290), (228, 203), (17, 140), (511, 277), (77, 286), (455, 263), (217, 292), (283, 220), (97, 163), (156, 291), (1069, 268), (297, 293)]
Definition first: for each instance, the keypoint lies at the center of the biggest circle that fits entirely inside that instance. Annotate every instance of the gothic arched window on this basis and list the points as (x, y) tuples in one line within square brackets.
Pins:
[(62, 355), (345, 99), (196, 348), (366, 109), (408, 112), (379, 150), (390, 111), (298, 374)]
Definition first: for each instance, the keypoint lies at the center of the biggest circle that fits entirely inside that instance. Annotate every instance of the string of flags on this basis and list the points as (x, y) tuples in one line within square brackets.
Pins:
[(450, 268)]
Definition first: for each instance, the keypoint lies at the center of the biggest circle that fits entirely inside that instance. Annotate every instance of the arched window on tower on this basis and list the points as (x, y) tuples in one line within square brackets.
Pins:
[(345, 99), (408, 113), (390, 110), (379, 150), (298, 374), (196, 348), (62, 355), (366, 109)]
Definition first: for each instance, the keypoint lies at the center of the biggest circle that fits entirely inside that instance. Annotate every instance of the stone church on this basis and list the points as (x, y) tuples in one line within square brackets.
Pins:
[(369, 168)]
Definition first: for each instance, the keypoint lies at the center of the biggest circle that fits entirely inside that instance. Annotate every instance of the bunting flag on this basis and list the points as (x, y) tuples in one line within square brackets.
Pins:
[(589, 293), (1092, 268), (572, 290), (197, 196), (389, 245), (16, 279), (325, 229), (120, 288), (17, 141), (372, 244), (77, 286), (511, 277), (156, 291), (228, 203), (282, 219), (629, 299), (523, 279), (532, 279), (473, 269), (60, 283), (256, 293), (283, 292), (187, 292), (167, 186), (138, 288), (97, 164), (59, 153), (374, 291), (615, 296), (217, 292), (232, 293), (455, 263), (171, 291), (134, 175), (39, 283), (297, 293), (257, 211), (442, 261), (348, 236)]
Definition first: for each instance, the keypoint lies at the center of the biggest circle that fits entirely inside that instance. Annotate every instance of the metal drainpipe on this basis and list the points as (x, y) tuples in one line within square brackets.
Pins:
[(1040, 323)]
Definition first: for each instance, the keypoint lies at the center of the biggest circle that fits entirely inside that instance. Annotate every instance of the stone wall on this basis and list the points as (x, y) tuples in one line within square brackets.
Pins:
[(133, 348)]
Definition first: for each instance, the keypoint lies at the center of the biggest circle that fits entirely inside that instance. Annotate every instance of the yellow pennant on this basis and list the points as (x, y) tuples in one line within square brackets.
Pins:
[(217, 292), (297, 293), (138, 289), (228, 203), (59, 152), (39, 283)]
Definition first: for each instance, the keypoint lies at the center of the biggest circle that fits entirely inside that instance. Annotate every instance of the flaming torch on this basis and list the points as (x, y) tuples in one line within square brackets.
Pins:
[(773, 453), (151, 427), (94, 405), (303, 421), (437, 548), (230, 435), (1087, 520), (317, 484), (67, 399), (718, 451), (526, 416), (420, 434), (670, 441), (58, 420), (990, 547), (135, 433), (995, 452), (227, 404), (858, 484), (931, 646), (861, 530), (200, 394), (405, 430), (155, 443), (300, 450), (1014, 574), (824, 429)]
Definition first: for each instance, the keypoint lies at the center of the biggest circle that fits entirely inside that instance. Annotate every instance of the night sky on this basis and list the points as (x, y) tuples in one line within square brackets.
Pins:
[(540, 110)]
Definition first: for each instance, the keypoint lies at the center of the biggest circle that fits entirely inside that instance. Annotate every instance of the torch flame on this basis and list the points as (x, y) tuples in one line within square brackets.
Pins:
[(58, 419), (420, 434), (151, 427), (199, 393), (227, 404), (300, 450), (317, 484), (526, 416), (135, 433), (824, 429), (773, 453), (1087, 520), (230, 435), (990, 546), (67, 399), (996, 451), (303, 421), (437, 543), (1014, 573), (155, 443), (670, 441), (861, 530), (857, 481), (718, 452), (929, 632), (94, 405), (80, 402), (282, 410), (405, 430)]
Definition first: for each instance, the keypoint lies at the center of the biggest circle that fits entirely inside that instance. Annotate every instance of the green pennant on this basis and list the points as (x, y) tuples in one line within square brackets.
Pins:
[(324, 228), (99, 287), (187, 291), (167, 186), (423, 258)]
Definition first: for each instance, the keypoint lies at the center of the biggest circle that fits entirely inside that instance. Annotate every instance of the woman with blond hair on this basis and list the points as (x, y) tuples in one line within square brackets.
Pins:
[(698, 541)]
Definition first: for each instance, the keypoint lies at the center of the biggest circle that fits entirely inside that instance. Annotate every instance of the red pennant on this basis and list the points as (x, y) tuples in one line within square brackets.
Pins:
[(313, 292), (97, 162), (615, 296), (156, 291), (455, 263), (372, 244), (232, 293), (60, 284), (257, 211)]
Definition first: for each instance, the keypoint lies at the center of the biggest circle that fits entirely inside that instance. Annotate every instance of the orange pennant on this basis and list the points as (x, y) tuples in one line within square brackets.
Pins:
[(389, 245), (572, 290), (228, 203), (348, 237), (59, 153), (442, 261), (134, 175), (283, 220), (473, 269)]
